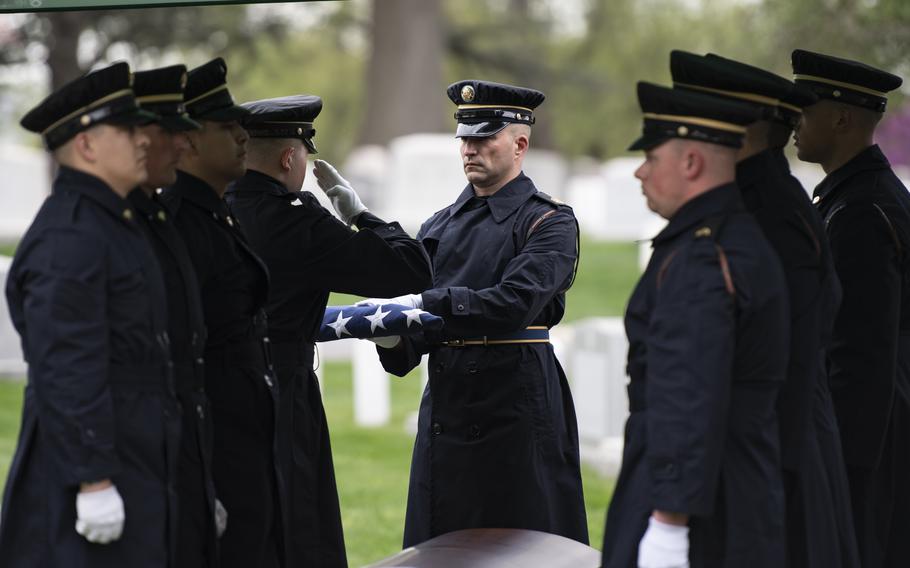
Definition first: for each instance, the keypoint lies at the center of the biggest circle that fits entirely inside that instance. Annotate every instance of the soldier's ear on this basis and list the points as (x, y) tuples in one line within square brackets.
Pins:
[(287, 158)]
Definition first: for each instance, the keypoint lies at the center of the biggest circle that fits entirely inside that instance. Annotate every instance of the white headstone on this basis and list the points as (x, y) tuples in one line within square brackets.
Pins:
[(372, 406), (425, 175), (608, 202), (26, 178), (11, 360), (549, 171)]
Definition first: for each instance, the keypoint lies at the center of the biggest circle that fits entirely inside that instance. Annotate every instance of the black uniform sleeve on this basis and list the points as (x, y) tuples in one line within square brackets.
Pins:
[(690, 349), (541, 270), (864, 346), (380, 259), (63, 286)]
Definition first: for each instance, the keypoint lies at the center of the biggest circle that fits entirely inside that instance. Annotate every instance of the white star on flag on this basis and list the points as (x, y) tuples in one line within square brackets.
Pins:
[(413, 315), (376, 319), (339, 325)]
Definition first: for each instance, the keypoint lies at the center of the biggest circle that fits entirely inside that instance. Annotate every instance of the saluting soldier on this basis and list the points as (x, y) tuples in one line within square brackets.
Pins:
[(819, 521), (91, 482), (234, 284), (310, 253), (700, 482), (866, 212), (497, 440), (161, 91)]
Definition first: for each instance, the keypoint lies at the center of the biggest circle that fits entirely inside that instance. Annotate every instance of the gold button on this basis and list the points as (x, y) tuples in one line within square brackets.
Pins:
[(703, 232), (682, 131), (127, 214), (836, 93), (85, 120), (162, 216), (299, 131), (816, 199), (230, 221)]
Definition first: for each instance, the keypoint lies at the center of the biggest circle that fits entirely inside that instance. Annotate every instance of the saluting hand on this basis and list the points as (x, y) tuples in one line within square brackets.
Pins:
[(100, 514), (344, 199)]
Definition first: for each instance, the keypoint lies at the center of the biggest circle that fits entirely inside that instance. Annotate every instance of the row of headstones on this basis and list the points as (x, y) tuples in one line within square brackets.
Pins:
[(412, 178)]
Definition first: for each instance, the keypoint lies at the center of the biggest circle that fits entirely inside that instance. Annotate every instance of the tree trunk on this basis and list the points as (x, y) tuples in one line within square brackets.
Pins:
[(404, 91)]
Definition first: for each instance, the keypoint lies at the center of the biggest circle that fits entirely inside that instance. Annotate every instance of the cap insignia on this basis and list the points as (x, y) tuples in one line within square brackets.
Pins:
[(467, 93)]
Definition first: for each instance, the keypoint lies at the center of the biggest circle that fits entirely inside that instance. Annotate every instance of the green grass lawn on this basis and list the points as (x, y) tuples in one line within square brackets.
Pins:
[(372, 465)]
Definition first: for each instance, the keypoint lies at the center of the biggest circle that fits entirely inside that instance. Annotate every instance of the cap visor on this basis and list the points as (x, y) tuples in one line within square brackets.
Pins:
[(646, 142), (137, 117), (225, 114), (178, 123), (479, 129)]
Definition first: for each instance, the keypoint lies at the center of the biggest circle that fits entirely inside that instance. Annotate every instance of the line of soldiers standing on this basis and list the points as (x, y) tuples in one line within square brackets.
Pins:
[(769, 389), (171, 392)]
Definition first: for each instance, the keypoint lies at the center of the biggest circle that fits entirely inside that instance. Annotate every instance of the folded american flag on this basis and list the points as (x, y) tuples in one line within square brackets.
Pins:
[(340, 322)]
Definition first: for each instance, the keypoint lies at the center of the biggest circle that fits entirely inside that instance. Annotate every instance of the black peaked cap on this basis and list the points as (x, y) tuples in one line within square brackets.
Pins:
[(161, 91), (675, 113), (206, 95), (104, 96), (779, 99), (844, 80), (284, 117), (485, 108)]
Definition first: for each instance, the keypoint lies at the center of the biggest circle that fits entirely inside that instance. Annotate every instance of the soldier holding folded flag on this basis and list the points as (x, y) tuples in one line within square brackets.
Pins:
[(497, 441)]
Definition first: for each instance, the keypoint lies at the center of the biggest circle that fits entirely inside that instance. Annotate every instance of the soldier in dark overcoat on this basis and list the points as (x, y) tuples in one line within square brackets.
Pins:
[(92, 479), (310, 253), (234, 284), (161, 91), (819, 521), (866, 212), (497, 440), (700, 483)]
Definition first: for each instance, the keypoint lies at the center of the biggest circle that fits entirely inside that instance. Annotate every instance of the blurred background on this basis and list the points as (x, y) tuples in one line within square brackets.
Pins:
[(381, 67)]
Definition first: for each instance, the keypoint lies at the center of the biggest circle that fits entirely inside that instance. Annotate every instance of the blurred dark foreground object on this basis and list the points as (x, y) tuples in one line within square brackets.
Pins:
[(495, 548)]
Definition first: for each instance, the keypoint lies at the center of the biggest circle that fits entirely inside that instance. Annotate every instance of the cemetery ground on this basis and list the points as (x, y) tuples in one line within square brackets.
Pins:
[(372, 464)]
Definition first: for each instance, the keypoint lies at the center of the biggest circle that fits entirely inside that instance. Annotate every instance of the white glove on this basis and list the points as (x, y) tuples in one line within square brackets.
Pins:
[(344, 199), (664, 546), (388, 342), (100, 515), (410, 300), (221, 518)]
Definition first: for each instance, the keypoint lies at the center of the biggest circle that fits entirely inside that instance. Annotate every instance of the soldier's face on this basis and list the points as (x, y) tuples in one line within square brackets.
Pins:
[(661, 178), (486, 161), (121, 153), (815, 132), (165, 149), (221, 148)]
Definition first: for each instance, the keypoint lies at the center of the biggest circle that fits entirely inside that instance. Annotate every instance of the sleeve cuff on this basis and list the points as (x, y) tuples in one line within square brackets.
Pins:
[(454, 301)]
